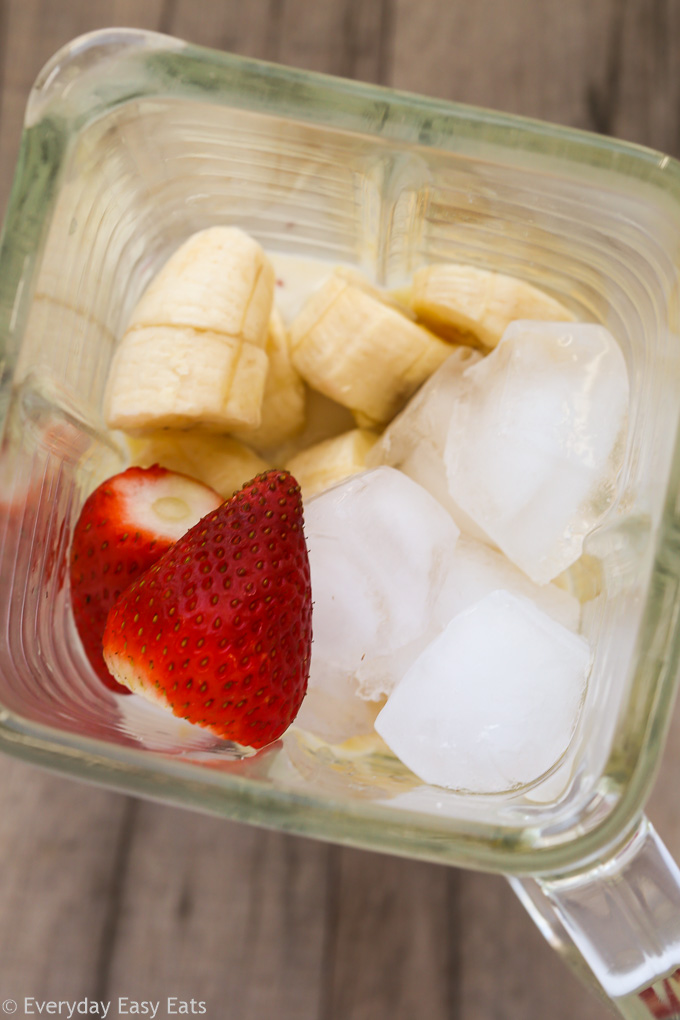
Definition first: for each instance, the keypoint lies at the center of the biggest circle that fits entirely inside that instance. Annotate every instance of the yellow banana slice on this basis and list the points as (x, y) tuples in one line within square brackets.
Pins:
[(218, 461), (283, 403), (393, 298), (193, 352), (174, 377), (326, 463), (219, 280), (361, 352), (475, 306)]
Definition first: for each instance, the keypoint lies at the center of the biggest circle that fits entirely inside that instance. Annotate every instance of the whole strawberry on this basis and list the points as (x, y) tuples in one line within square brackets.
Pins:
[(219, 629), (124, 526)]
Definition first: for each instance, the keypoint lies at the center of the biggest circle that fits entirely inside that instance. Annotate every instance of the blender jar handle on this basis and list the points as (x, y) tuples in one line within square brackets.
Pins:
[(622, 919)]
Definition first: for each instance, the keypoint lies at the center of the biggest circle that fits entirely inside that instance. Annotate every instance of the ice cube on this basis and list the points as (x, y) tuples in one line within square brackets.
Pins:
[(493, 702), (377, 676), (425, 419), (536, 443), (414, 441), (476, 570), (379, 548), (331, 708)]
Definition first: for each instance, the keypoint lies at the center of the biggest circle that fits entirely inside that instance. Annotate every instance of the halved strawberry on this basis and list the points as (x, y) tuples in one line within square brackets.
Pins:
[(125, 525), (219, 629)]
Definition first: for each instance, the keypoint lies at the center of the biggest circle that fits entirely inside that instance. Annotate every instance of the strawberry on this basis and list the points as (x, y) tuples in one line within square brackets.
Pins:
[(219, 629), (124, 526)]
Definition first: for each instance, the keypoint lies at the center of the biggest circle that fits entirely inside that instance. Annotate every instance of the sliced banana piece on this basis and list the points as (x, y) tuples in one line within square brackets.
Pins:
[(283, 403), (220, 462), (174, 377), (393, 298), (475, 306), (326, 463), (361, 352), (220, 279), (193, 352)]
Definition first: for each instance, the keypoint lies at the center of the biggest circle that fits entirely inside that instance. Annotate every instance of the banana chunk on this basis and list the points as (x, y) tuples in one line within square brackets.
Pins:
[(328, 462), (283, 403), (361, 352), (468, 305), (193, 352), (218, 461), (219, 280), (393, 298), (174, 377)]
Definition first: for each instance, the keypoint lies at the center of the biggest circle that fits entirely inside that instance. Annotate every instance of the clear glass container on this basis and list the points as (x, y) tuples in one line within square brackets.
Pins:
[(132, 142)]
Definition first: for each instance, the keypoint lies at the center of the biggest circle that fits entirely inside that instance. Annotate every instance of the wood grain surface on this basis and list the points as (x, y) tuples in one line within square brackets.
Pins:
[(104, 896)]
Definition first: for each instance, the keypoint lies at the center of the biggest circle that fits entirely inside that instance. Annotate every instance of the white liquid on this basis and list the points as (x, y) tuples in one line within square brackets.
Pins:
[(296, 278)]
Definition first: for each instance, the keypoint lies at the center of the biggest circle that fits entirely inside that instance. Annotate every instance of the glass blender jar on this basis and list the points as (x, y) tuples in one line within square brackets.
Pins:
[(132, 142)]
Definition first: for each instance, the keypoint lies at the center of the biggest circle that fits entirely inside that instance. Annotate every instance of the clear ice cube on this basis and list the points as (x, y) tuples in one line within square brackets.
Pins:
[(414, 441), (492, 703), (331, 709), (379, 549), (376, 677), (536, 442), (476, 570)]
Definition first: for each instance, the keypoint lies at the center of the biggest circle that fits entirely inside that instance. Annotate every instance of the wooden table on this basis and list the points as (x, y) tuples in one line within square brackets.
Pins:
[(103, 896)]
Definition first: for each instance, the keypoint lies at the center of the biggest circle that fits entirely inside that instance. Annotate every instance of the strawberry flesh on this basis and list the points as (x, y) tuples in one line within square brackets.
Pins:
[(219, 629), (125, 525)]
